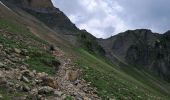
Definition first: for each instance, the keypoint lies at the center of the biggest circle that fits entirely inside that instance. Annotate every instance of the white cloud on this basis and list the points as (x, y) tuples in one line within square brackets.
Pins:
[(104, 18)]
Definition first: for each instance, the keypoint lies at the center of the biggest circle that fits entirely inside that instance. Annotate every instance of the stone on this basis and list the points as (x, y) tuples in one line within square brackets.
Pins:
[(45, 90), (24, 51), (25, 79), (47, 81), (1, 47), (86, 98), (3, 81), (33, 94), (71, 75), (1, 74), (58, 93), (26, 88), (27, 57), (1, 97), (42, 75), (2, 65), (16, 50), (27, 73)]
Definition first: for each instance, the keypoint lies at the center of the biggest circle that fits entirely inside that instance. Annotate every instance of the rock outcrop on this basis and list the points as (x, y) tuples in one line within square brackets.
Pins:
[(141, 48)]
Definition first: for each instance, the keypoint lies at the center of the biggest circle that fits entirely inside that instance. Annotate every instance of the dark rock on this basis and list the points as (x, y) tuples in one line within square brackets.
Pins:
[(140, 47), (26, 88), (3, 81), (47, 81)]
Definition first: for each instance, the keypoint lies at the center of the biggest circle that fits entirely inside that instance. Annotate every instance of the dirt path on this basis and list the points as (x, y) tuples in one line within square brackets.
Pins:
[(68, 78)]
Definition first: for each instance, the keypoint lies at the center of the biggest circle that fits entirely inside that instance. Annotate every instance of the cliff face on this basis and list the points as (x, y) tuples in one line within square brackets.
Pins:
[(141, 48), (38, 5), (42, 4)]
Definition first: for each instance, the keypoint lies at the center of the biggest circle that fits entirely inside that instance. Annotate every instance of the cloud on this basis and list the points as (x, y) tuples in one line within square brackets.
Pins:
[(104, 18)]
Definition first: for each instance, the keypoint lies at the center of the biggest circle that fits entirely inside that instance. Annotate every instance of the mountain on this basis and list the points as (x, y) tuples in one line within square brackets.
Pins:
[(43, 55), (141, 48)]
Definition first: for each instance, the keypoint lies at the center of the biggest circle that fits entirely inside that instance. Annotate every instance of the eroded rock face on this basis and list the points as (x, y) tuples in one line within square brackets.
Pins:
[(38, 5), (142, 48)]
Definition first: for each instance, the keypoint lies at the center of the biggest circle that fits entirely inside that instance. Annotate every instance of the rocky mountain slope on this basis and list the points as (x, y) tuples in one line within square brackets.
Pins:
[(59, 22), (142, 48), (45, 63)]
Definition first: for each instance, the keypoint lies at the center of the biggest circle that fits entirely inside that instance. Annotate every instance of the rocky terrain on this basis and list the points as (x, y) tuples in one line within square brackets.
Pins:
[(20, 82), (141, 48), (43, 56)]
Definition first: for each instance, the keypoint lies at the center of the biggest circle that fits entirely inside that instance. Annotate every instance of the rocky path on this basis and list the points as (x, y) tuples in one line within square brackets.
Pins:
[(70, 82), (65, 85)]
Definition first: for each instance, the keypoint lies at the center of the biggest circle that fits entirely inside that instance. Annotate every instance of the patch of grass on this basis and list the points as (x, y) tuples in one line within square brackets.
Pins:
[(69, 98), (42, 62), (7, 96)]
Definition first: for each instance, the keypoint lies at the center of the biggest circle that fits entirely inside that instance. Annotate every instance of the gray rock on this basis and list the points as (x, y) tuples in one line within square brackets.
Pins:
[(25, 79), (45, 90), (26, 88), (2, 65), (16, 50), (58, 93)]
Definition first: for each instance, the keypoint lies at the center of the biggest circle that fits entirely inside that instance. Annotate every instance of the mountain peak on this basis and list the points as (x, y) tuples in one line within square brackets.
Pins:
[(38, 5)]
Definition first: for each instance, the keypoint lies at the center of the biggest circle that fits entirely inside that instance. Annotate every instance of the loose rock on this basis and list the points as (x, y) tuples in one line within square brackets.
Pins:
[(25, 79), (45, 90), (58, 93), (18, 51), (71, 75), (3, 81), (50, 82)]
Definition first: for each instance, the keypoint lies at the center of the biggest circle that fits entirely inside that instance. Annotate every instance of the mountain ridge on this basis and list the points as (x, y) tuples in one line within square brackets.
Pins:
[(141, 47), (118, 80)]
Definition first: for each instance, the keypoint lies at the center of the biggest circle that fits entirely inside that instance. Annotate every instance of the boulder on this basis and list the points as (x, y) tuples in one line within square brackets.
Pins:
[(45, 90), (71, 75), (47, 81), (2, 65), (58, 93), (25, 79), (42, 75), (3, 81), (26, 88), (16, 50), (1, 47), (34, 91)]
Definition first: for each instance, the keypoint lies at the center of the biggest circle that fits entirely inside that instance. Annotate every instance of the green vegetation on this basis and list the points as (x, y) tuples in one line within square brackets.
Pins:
[(112, 82), (69, 98), (42, 62), (7, 95), (125, 83), (40, 59), (89, 43)]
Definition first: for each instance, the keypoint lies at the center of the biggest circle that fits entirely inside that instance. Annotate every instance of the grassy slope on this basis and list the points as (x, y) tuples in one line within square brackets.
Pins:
[(126, 83), (121, 84), (40, 60)]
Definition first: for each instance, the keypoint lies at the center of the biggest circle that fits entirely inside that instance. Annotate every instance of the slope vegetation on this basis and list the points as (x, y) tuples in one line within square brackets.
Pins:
[(112, 81)]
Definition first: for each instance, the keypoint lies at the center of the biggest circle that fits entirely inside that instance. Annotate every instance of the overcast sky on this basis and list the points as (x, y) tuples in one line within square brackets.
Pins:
[(104, 18)]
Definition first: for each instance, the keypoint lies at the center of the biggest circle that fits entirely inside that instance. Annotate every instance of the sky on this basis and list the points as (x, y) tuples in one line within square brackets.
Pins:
[(105, 18)]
